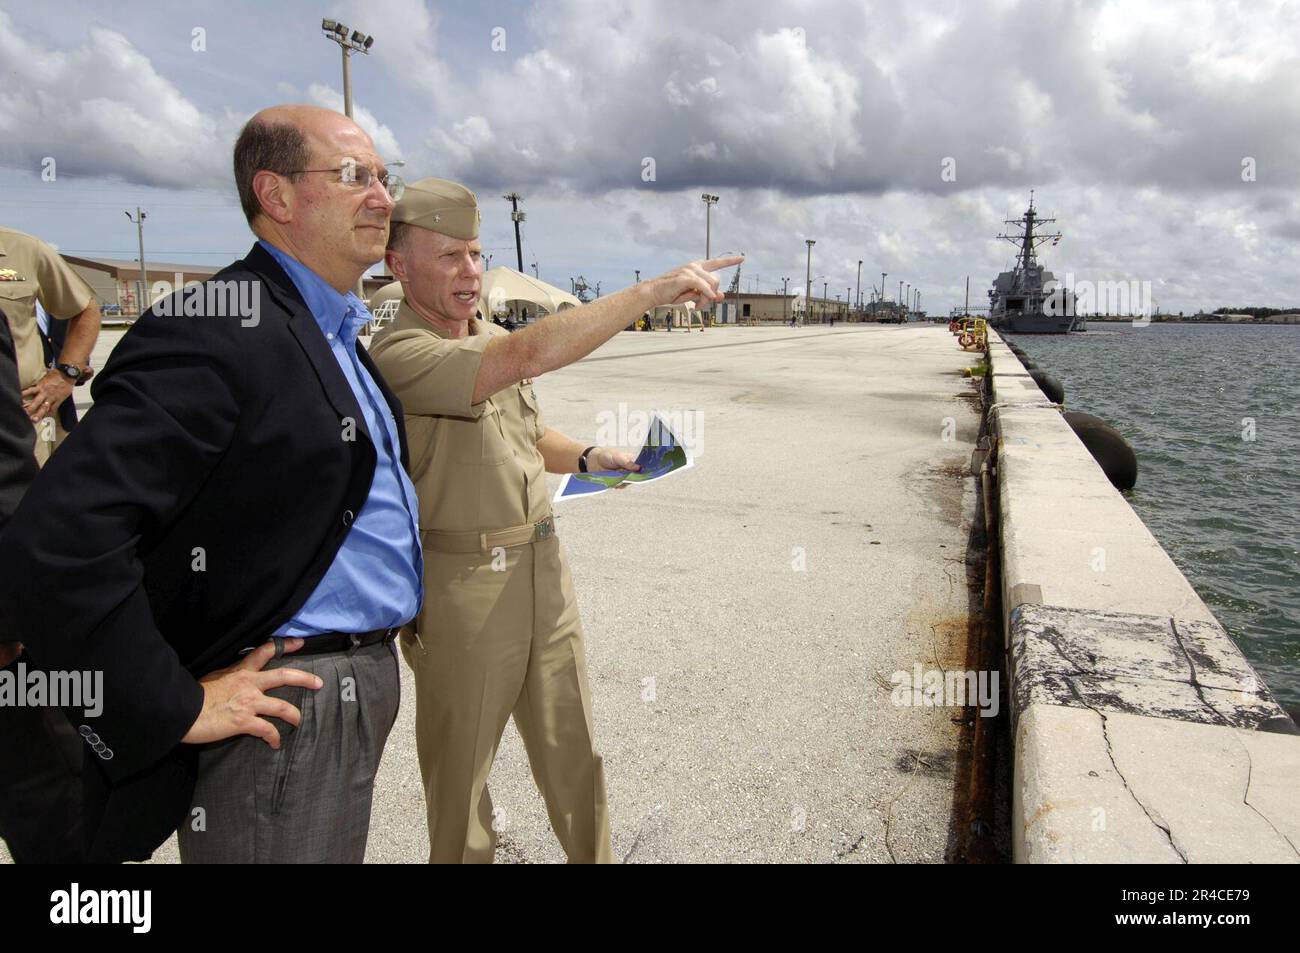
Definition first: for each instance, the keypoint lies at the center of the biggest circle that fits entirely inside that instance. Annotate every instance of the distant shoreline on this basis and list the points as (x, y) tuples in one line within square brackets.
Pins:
[(1173, 319)]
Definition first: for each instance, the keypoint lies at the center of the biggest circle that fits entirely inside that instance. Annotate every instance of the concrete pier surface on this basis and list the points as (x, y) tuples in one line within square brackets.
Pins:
[(744, 618)]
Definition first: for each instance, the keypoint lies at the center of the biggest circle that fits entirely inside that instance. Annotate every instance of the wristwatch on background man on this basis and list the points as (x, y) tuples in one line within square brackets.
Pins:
[(75, 373)]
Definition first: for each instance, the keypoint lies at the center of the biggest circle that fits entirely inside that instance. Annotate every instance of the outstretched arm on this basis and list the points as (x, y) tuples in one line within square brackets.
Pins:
[(574, 333)]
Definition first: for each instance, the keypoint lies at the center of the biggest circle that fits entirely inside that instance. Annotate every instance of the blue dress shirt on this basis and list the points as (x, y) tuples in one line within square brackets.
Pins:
[(377, 578)]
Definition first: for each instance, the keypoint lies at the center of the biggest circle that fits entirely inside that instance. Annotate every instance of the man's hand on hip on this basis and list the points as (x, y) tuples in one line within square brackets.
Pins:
[(235, 699), (43, 398)]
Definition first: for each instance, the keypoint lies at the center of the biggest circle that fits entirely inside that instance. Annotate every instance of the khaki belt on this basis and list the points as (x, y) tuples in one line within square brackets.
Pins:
[(484, 543)]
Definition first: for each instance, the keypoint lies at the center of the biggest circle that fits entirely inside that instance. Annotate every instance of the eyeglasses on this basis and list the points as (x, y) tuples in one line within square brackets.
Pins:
[(363, 175)]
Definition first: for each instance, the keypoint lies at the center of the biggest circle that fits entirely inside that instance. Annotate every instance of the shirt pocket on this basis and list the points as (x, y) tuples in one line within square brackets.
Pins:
[(18, 296), (532, 411), (476, 441)]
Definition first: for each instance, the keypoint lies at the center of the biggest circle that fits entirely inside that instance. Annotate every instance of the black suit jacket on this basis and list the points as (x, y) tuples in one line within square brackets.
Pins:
[(191, 513)]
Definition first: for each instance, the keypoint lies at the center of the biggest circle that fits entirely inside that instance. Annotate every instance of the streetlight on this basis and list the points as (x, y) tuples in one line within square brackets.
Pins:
[(516, 216), (807, 293), (880, 297), (138, 222), (350, 41), (825, 301), (638, 276), (785, 298), (857, 298), (535, 274), (709, 202)]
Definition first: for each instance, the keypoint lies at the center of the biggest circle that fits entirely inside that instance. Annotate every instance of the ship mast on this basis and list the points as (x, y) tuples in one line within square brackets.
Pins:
[(1025, 239)]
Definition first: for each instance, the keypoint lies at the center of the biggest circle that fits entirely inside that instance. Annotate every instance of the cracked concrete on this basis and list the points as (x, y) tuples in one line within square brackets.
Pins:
[(1144, 665), (1112, 787), (1110, 753)]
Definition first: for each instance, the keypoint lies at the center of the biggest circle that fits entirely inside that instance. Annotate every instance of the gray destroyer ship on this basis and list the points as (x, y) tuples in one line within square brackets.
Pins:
[(1028, 299)]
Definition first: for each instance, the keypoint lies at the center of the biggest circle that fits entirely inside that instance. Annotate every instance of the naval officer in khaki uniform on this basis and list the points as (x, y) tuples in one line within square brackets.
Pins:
[(31, 271), (499, 633)]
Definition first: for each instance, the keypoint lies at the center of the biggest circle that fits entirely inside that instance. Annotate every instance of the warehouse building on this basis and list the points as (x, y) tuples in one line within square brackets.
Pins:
[(117, 286)]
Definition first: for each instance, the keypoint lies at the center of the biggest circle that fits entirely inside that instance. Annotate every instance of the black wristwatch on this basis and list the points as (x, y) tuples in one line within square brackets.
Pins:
[(582, 460), (78, 375)]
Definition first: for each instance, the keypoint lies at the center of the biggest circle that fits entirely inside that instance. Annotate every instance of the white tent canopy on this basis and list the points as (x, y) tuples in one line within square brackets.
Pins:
[(389, 292), (504, 287)]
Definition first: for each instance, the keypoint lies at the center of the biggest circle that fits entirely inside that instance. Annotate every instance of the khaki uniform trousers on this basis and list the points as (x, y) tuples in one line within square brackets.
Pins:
[(49, 436), (495, 643)]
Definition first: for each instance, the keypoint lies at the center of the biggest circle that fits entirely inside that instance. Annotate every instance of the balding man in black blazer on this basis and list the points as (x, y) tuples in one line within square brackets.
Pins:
[(210, 509)]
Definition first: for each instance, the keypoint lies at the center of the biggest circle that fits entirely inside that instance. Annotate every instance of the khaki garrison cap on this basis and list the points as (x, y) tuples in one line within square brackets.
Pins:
[(439, 206)]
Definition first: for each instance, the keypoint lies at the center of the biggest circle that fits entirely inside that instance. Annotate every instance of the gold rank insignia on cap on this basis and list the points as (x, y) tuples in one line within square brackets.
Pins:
[(440, 206)]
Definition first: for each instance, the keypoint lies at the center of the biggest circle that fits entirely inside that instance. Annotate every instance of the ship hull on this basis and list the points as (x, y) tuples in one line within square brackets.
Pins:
[(1034, 324)]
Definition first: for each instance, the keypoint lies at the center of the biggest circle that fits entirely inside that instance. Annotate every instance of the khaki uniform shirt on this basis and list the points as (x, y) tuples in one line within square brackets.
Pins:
[(30, 270), (476, 467)]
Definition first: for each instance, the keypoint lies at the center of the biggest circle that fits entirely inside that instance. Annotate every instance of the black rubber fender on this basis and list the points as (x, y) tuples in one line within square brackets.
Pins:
[(1049, 385), (1111, 451)]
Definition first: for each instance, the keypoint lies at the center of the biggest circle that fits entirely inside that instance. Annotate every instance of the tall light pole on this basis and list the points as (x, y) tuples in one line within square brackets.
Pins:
[(857, 297), (516, 216), (638, 276), (880, 297), (807, 293), (825, 299), (908, 300), (138, 221), (709, 202), (900, 292), (350, 41), (785, 299)]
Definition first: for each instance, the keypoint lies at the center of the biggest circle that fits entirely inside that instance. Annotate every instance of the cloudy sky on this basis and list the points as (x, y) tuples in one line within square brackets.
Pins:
[(1165, 137)]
